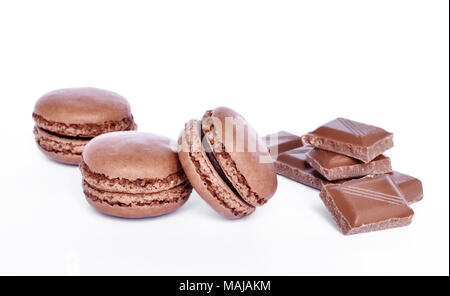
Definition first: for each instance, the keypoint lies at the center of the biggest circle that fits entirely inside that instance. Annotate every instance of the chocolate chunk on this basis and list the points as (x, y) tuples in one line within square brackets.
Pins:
[(281, 142), (410, 187), (367, 204), (334, 166), (351, 138), (293, 165)]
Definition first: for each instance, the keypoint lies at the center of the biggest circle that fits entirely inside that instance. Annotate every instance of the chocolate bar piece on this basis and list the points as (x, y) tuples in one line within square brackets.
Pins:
[(293, 165), (334, 166), (351, 138), (367, 204), (410, 187), (281, 142)]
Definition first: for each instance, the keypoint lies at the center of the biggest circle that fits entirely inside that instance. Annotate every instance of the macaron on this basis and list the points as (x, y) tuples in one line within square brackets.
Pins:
[(227, 163), (133, 175), (67, 119)]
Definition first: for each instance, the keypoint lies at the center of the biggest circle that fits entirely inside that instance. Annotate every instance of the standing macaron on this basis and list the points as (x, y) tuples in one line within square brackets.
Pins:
[(67, 119), (133, 175), (227, 163)]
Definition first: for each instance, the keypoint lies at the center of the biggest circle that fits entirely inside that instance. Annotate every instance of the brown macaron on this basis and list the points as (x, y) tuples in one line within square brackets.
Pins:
[(227, 163), (133, 175), (67, 119)]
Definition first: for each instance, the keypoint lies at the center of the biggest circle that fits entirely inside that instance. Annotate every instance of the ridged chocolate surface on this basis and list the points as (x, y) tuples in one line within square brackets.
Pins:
[(410, 187), (367, 204), (351, 138), (353, 132)]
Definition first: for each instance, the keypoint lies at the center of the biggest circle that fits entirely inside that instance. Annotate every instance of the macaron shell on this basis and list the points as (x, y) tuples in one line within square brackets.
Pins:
[(203, 177), (132, 155), (246, 160), (124, 205), (64, 158), (85, 105)]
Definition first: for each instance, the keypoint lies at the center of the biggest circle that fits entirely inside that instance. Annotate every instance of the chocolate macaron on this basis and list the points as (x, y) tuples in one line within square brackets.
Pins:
[(227, 163), (67, 119), (133, 175)]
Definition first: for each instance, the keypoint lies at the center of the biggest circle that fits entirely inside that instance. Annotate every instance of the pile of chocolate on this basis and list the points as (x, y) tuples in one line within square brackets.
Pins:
[(344, 159)]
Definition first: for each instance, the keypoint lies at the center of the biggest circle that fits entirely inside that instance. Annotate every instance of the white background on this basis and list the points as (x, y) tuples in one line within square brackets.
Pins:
[(289, 65)]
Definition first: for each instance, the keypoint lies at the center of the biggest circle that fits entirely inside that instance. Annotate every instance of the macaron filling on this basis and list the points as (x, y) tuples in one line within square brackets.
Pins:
[(60, 136), (223, 194), (54, 143), (175, 195), (227, 166), (87, 130), (212, 158), (70, 139), (139, 186)]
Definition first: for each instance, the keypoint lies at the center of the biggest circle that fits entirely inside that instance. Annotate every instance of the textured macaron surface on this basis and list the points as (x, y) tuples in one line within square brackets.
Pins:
[(83, 112), (241, 154)]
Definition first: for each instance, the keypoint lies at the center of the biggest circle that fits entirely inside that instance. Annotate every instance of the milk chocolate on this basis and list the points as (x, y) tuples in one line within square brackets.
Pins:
[(410, 187), (351, 138), (334, 166), (292, 164), (367, 204), (281, 142)]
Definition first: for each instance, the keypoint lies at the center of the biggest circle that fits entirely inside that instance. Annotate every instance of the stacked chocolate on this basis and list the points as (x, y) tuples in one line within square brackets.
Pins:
[(345, 160)]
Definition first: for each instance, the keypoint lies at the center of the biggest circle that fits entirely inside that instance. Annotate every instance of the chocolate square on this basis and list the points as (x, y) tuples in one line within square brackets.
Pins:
[(293, 165), (351, 138), (281, 142), (334, 166), (367, 204), (410, 187)]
